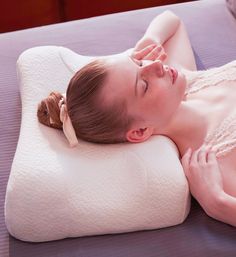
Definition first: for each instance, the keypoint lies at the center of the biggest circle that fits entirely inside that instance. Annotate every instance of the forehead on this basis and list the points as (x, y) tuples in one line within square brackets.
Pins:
[(121, 77), (120, 65)]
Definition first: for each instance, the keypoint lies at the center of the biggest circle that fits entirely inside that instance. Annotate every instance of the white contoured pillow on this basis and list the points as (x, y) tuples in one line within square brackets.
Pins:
[(55, 191)]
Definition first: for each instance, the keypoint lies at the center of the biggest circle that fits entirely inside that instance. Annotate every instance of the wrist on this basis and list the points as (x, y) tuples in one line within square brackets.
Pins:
[(152, 39), (216, 204), (145, 41)]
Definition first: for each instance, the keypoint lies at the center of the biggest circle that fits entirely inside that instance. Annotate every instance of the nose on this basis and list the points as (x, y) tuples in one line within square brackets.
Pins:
[(155, 67)]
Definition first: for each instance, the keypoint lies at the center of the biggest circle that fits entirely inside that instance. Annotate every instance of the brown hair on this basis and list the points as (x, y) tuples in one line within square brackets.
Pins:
[(92, 120)]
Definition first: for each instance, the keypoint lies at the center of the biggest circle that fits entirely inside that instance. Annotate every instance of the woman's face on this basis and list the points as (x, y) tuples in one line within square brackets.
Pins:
[(152, 90)]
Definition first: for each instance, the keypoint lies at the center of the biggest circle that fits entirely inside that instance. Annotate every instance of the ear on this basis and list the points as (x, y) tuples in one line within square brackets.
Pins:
[(139, 135)]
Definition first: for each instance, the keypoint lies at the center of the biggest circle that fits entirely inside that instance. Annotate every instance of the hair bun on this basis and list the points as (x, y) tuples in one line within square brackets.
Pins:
[(49, 112)]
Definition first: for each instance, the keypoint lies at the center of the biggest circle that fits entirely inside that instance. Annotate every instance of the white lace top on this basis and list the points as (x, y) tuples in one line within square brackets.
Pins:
[(223, 139)]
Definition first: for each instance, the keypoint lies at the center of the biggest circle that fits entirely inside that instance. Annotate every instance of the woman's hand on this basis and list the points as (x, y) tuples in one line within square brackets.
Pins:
[(151, 52), (203, 173)]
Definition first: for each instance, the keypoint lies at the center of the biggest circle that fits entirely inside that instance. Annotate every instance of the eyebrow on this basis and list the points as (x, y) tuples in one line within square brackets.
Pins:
[(136, 80)]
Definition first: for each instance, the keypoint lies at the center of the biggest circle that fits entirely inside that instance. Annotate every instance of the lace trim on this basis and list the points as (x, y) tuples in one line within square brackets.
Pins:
[(198, 80), (223, 139)]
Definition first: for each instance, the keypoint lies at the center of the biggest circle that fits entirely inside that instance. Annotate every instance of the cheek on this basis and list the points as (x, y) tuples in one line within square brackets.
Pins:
[(159, 97), (156, 104)]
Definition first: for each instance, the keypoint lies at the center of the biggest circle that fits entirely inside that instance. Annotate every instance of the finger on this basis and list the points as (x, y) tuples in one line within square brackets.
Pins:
[(202, 155), (152, 56), (211, 157), (162, 57), (203, 151), (139, 55), (185, 160), (194, 157)]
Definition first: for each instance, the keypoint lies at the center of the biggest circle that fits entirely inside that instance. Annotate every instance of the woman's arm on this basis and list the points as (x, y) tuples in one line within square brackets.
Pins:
[(206, 185), (179, 50), (169, 31), (226, 210), (160, 30)]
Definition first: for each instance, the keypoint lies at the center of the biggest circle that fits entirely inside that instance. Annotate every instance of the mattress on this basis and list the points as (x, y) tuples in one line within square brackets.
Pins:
[(211, 29)]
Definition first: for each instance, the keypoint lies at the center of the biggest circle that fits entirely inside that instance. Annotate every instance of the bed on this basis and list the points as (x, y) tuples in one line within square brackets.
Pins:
[(212, 32)]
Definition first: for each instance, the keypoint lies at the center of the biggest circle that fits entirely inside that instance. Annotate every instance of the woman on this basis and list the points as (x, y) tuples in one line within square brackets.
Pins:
[(156, 91)]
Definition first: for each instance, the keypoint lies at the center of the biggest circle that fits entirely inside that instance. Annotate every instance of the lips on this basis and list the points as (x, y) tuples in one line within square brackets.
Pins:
[(174, 74)]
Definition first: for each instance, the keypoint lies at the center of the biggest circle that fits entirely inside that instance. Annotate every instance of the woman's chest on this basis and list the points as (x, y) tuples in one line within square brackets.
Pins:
[(220, 103), (222, 94)]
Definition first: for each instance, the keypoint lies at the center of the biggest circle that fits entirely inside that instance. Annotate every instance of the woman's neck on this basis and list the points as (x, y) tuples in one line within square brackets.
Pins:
[(189, 126)]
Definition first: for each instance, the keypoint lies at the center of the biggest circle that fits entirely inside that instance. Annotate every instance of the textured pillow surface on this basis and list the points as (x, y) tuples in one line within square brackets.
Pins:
[(55, 191)]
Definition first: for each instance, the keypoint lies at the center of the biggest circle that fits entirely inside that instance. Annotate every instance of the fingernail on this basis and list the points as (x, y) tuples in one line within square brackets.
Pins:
[(164, 55)]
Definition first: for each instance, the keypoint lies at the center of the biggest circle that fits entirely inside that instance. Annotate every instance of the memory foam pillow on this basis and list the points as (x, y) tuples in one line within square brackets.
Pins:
[(55, 191)]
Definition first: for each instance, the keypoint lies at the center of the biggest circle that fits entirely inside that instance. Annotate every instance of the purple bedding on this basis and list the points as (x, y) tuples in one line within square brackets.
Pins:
[(212, 31)]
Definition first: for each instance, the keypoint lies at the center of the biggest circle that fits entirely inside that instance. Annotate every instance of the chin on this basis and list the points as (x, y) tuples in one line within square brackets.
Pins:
[(181, 83), (181, 76), (181, 80)]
